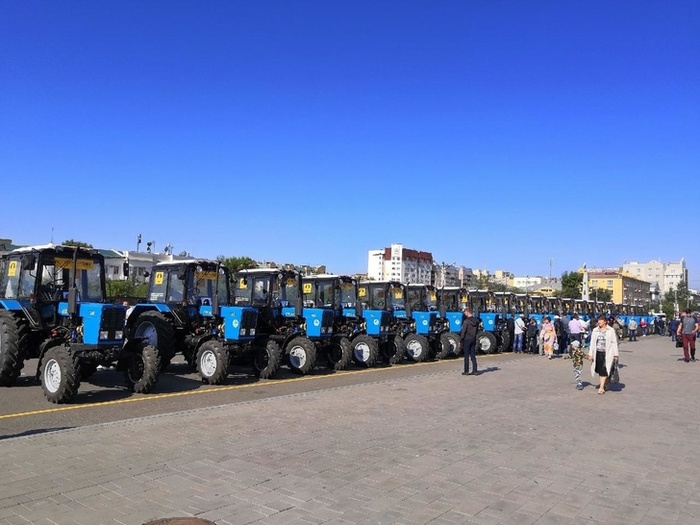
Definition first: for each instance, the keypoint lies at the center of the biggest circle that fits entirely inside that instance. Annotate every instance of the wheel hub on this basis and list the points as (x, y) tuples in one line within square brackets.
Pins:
[(297, 356), (362, 352), (52, 376), (207, 363)]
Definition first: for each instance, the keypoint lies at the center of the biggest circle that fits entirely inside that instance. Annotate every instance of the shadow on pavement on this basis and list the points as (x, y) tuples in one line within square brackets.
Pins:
[(33, 432)]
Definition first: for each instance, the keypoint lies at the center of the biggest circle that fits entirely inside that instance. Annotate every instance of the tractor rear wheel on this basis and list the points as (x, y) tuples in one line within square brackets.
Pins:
[(302, 355), (212, 362), (417, 347), (60, 375), (267, 359), (13, 338), (340, 353), (365, 350), (449, 345), (156, 330), (486, 342), (142, 369), (506, 340), (394, 350)]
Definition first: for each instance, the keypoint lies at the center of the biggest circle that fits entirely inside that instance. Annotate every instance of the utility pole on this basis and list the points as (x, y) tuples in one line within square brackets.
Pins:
[(550, 271)]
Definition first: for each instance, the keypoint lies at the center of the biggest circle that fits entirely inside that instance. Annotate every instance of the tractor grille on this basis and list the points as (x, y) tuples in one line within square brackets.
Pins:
[(112, 321), (249, 319), (327, 320), (387, 319)]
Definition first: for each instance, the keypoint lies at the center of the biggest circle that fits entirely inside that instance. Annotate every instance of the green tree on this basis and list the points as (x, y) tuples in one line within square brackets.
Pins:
[(80, 244), (122, 289), (571, 285), (235, 264), (601, 295)]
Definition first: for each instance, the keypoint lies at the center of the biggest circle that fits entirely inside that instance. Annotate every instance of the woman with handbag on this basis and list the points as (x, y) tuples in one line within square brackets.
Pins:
[(603, 352)]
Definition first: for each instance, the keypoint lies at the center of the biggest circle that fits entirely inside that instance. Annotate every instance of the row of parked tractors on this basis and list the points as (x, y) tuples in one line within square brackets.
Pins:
[(53, 308)]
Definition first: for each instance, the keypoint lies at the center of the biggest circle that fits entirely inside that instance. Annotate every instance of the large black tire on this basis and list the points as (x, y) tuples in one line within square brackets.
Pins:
[(365, 350), (301, 354), (60, 375), (506, 341), (156, 330), (450, 345), (417, 347), (13, 338), (339, 353), (267, 359), (393, 350), (486, 343), (212, 362), (143, 369)]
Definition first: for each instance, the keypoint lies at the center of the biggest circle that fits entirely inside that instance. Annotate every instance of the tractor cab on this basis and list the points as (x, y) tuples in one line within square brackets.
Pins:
[(188, 288), (452, 301), (277, 295), (56, 296), (39, 280)]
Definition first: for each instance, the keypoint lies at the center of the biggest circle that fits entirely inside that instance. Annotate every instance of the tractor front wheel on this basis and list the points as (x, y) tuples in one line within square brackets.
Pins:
[(212, 362), (340, 353), (486, 342), (142, 369), (365, 350), (302, 355), (60, 375), (267, 359), (417, 347)]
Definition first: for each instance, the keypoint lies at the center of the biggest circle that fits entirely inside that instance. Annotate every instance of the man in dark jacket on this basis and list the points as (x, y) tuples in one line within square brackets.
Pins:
[(470, 327)]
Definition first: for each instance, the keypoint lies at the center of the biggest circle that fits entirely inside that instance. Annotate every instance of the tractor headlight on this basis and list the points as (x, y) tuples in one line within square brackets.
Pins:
[(119, 335), (103, 334), (252, 331)]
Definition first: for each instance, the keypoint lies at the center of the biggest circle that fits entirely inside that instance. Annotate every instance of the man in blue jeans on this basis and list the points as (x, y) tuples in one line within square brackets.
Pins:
[(470, 327)]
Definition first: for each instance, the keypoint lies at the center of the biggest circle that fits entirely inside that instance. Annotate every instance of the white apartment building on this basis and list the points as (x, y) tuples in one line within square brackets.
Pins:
[(525, 283), (397, 263), (666, 276)]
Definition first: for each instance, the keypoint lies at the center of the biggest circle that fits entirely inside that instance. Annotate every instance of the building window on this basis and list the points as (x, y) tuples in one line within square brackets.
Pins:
[(608, 283)]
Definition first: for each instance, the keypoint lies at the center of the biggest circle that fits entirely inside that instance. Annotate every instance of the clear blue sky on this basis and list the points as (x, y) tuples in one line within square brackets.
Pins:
[(494, 134)]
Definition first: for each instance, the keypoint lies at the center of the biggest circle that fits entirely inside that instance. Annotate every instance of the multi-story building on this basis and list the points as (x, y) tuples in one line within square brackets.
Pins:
[(397, 263), (625, 288), (664, 276)]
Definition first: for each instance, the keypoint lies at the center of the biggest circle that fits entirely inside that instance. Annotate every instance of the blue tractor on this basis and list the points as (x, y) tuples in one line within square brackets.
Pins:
[(188, 311), (53, 308), (276, 294), (337, 294), (387, 329), (495, 335), (430, 321)]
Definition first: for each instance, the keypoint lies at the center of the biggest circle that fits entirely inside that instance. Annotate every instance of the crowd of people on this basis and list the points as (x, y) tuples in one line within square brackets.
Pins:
[(570, 337)]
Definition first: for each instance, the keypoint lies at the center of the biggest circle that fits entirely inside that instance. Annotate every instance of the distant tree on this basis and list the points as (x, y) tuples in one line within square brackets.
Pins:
[(601, 294), (80, 244), (571, 285), (119, 289), (235, 264)]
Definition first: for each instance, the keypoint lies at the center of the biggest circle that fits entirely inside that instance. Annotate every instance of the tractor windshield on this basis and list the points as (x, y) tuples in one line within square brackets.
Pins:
[(289, 291), (396, 299), (205, 284), (347, 294), (57, 278), (431, 301)]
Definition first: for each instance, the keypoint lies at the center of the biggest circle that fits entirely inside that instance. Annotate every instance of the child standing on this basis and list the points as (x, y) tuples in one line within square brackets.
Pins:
[(577, 356)]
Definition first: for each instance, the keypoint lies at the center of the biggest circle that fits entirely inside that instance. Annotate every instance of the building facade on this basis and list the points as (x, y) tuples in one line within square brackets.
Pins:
[(625, 288), (397, 263), (664, 276)]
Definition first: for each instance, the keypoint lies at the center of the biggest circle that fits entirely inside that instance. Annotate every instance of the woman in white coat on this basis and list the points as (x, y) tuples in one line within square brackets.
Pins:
[(603, 351)]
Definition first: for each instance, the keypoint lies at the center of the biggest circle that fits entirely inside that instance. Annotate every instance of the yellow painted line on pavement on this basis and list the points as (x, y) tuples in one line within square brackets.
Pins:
[(213, 389)]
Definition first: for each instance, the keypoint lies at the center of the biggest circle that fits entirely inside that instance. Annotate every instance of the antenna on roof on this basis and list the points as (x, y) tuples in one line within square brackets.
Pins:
[(51, 234)]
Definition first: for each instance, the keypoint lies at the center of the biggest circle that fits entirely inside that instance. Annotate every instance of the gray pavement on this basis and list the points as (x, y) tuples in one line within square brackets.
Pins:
[(516, 444)]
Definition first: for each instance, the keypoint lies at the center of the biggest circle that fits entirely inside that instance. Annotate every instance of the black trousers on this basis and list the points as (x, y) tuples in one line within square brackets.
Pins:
[(469, 346)]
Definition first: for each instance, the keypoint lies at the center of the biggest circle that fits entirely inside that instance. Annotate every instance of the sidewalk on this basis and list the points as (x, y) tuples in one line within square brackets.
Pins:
[(517, 444)]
